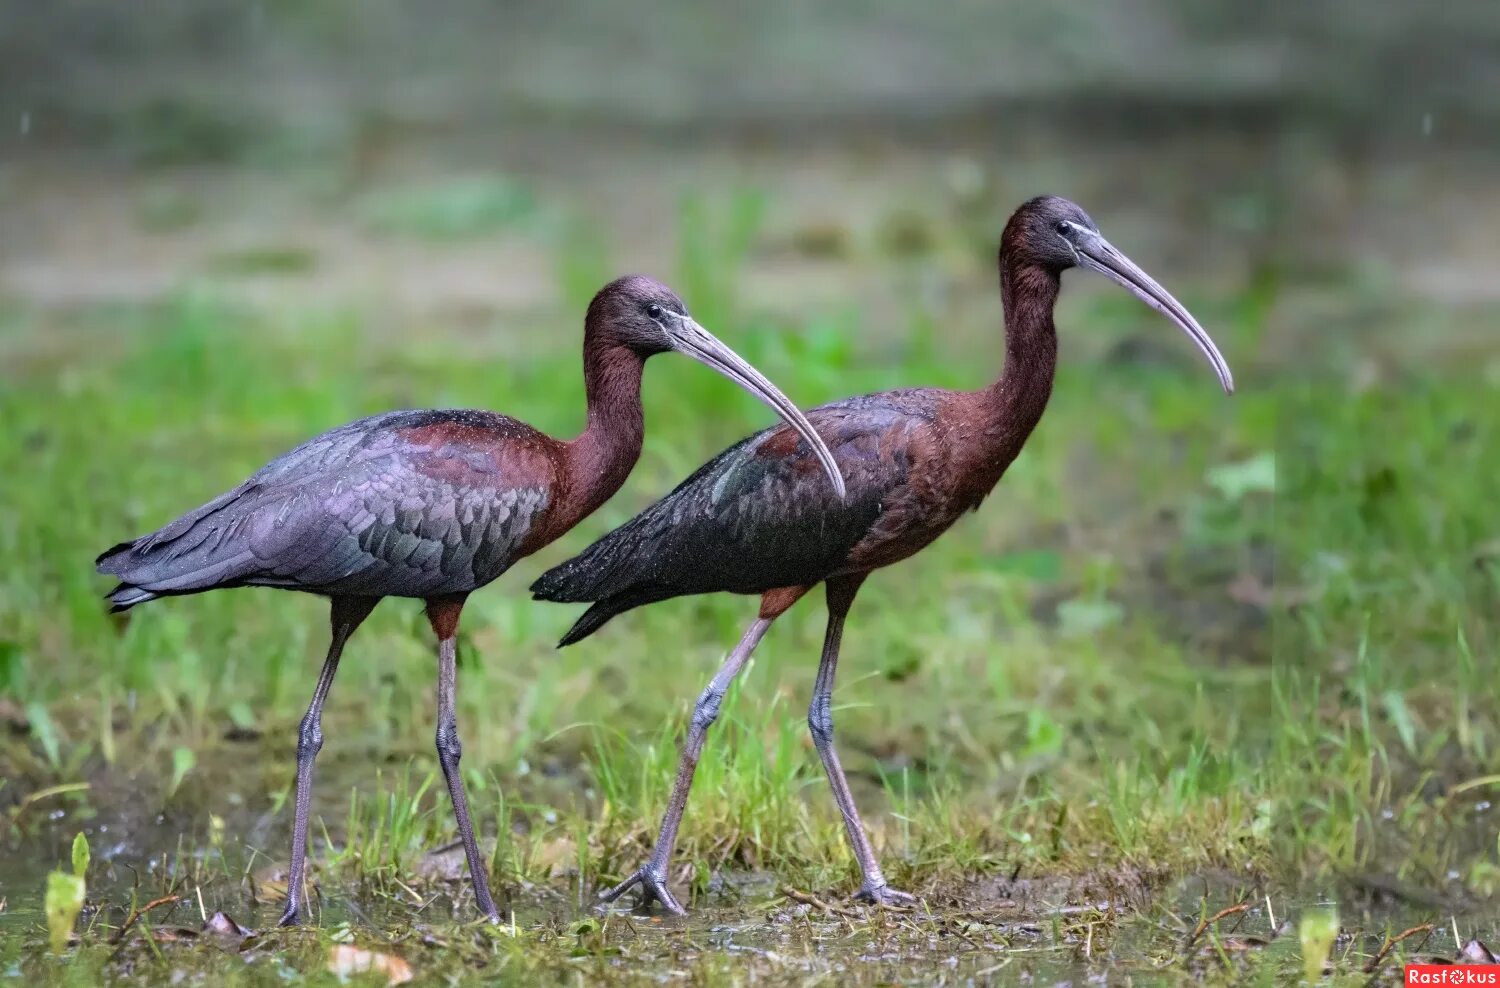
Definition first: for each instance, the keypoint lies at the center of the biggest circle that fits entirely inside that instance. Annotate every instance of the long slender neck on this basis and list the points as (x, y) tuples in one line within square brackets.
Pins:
[(600, 459), (1009, 409)]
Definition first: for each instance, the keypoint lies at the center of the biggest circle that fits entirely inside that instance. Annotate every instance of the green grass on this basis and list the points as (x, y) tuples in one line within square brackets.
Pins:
[(1062, 687), (1382, 673)]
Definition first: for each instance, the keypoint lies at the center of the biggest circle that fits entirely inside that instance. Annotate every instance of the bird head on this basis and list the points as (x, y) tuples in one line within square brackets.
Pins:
[(1055, 234), (647, 318)]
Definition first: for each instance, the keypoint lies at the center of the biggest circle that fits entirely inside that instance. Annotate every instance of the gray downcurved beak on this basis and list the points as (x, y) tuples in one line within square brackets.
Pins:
[(1098, 254), (692, 340)]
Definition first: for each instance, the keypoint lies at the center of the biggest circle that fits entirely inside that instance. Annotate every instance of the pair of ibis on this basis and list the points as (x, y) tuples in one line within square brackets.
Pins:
[(436, 504)]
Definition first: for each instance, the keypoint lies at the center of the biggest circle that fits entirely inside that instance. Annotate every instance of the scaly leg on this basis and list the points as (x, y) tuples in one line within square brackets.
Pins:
[(443, 614), (841, 593), (346, 614), (652, 876)]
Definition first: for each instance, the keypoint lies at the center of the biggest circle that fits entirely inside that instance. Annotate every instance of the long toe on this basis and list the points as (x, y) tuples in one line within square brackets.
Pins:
[(884, 895), (653, 888), (662, 894), (290, 918), (608, 896)]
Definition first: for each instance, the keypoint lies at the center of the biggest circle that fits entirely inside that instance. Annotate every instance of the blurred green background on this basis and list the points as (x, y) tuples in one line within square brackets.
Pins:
[(1251, 639)]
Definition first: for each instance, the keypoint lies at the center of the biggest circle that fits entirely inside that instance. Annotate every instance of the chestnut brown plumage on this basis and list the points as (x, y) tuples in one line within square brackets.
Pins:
[(758, 520), (432, 505)]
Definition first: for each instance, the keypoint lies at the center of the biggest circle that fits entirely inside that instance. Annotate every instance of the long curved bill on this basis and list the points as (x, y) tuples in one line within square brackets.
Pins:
[(692, 340), (1098, 254)]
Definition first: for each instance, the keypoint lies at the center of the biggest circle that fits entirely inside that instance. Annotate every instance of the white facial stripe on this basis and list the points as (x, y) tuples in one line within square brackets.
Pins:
[(1077, 257)]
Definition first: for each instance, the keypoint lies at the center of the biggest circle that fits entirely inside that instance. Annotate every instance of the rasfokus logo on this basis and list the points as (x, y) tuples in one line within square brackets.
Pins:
[(1452, 974)]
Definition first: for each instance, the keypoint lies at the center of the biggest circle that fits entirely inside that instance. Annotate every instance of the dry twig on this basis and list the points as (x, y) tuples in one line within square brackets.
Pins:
[(1392, 941), (1204, 924), (808, 899), (136, 914)]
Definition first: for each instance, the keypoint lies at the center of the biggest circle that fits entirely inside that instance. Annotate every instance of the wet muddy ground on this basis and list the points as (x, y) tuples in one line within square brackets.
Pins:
[(189, 894)]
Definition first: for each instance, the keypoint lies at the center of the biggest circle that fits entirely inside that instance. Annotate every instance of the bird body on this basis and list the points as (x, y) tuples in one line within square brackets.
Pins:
[(759, 516), (402, 504), (757, 520), (753, 518), (428, 504)]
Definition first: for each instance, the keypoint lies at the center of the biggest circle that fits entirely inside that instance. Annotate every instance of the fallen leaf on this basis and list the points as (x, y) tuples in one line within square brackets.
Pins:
[(268, 886), (1475, 952), (221, 925), (344, 960)]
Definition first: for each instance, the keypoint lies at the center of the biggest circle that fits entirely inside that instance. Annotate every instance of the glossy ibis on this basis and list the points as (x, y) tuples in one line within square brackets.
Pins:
[(429, 504), (758, 519)]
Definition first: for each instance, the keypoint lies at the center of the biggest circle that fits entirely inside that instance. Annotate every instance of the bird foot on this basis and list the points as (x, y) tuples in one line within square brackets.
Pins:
[(653, 883), (292, 917), (884, 895)]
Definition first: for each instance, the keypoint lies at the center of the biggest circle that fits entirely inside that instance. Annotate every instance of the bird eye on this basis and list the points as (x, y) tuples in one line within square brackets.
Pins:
[(653, 310), (1062, 226)]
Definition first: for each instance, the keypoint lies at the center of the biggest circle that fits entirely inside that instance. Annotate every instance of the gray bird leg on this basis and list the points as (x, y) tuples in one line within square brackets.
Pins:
[(443, 614), (346, 614), (652, 876), (841, 593)]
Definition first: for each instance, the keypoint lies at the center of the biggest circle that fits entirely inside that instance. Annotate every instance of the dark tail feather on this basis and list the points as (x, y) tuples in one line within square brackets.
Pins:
[(126, 595), (608, 567), (584, 578), (112, 554), (115, 561), (595, 617)]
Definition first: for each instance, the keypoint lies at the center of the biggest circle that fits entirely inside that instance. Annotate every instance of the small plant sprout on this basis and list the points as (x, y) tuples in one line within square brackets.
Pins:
[(1316, 932), (65, 896)]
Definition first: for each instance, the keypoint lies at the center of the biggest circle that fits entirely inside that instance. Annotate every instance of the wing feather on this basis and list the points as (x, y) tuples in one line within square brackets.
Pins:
[(401, 504), (760, 515)]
